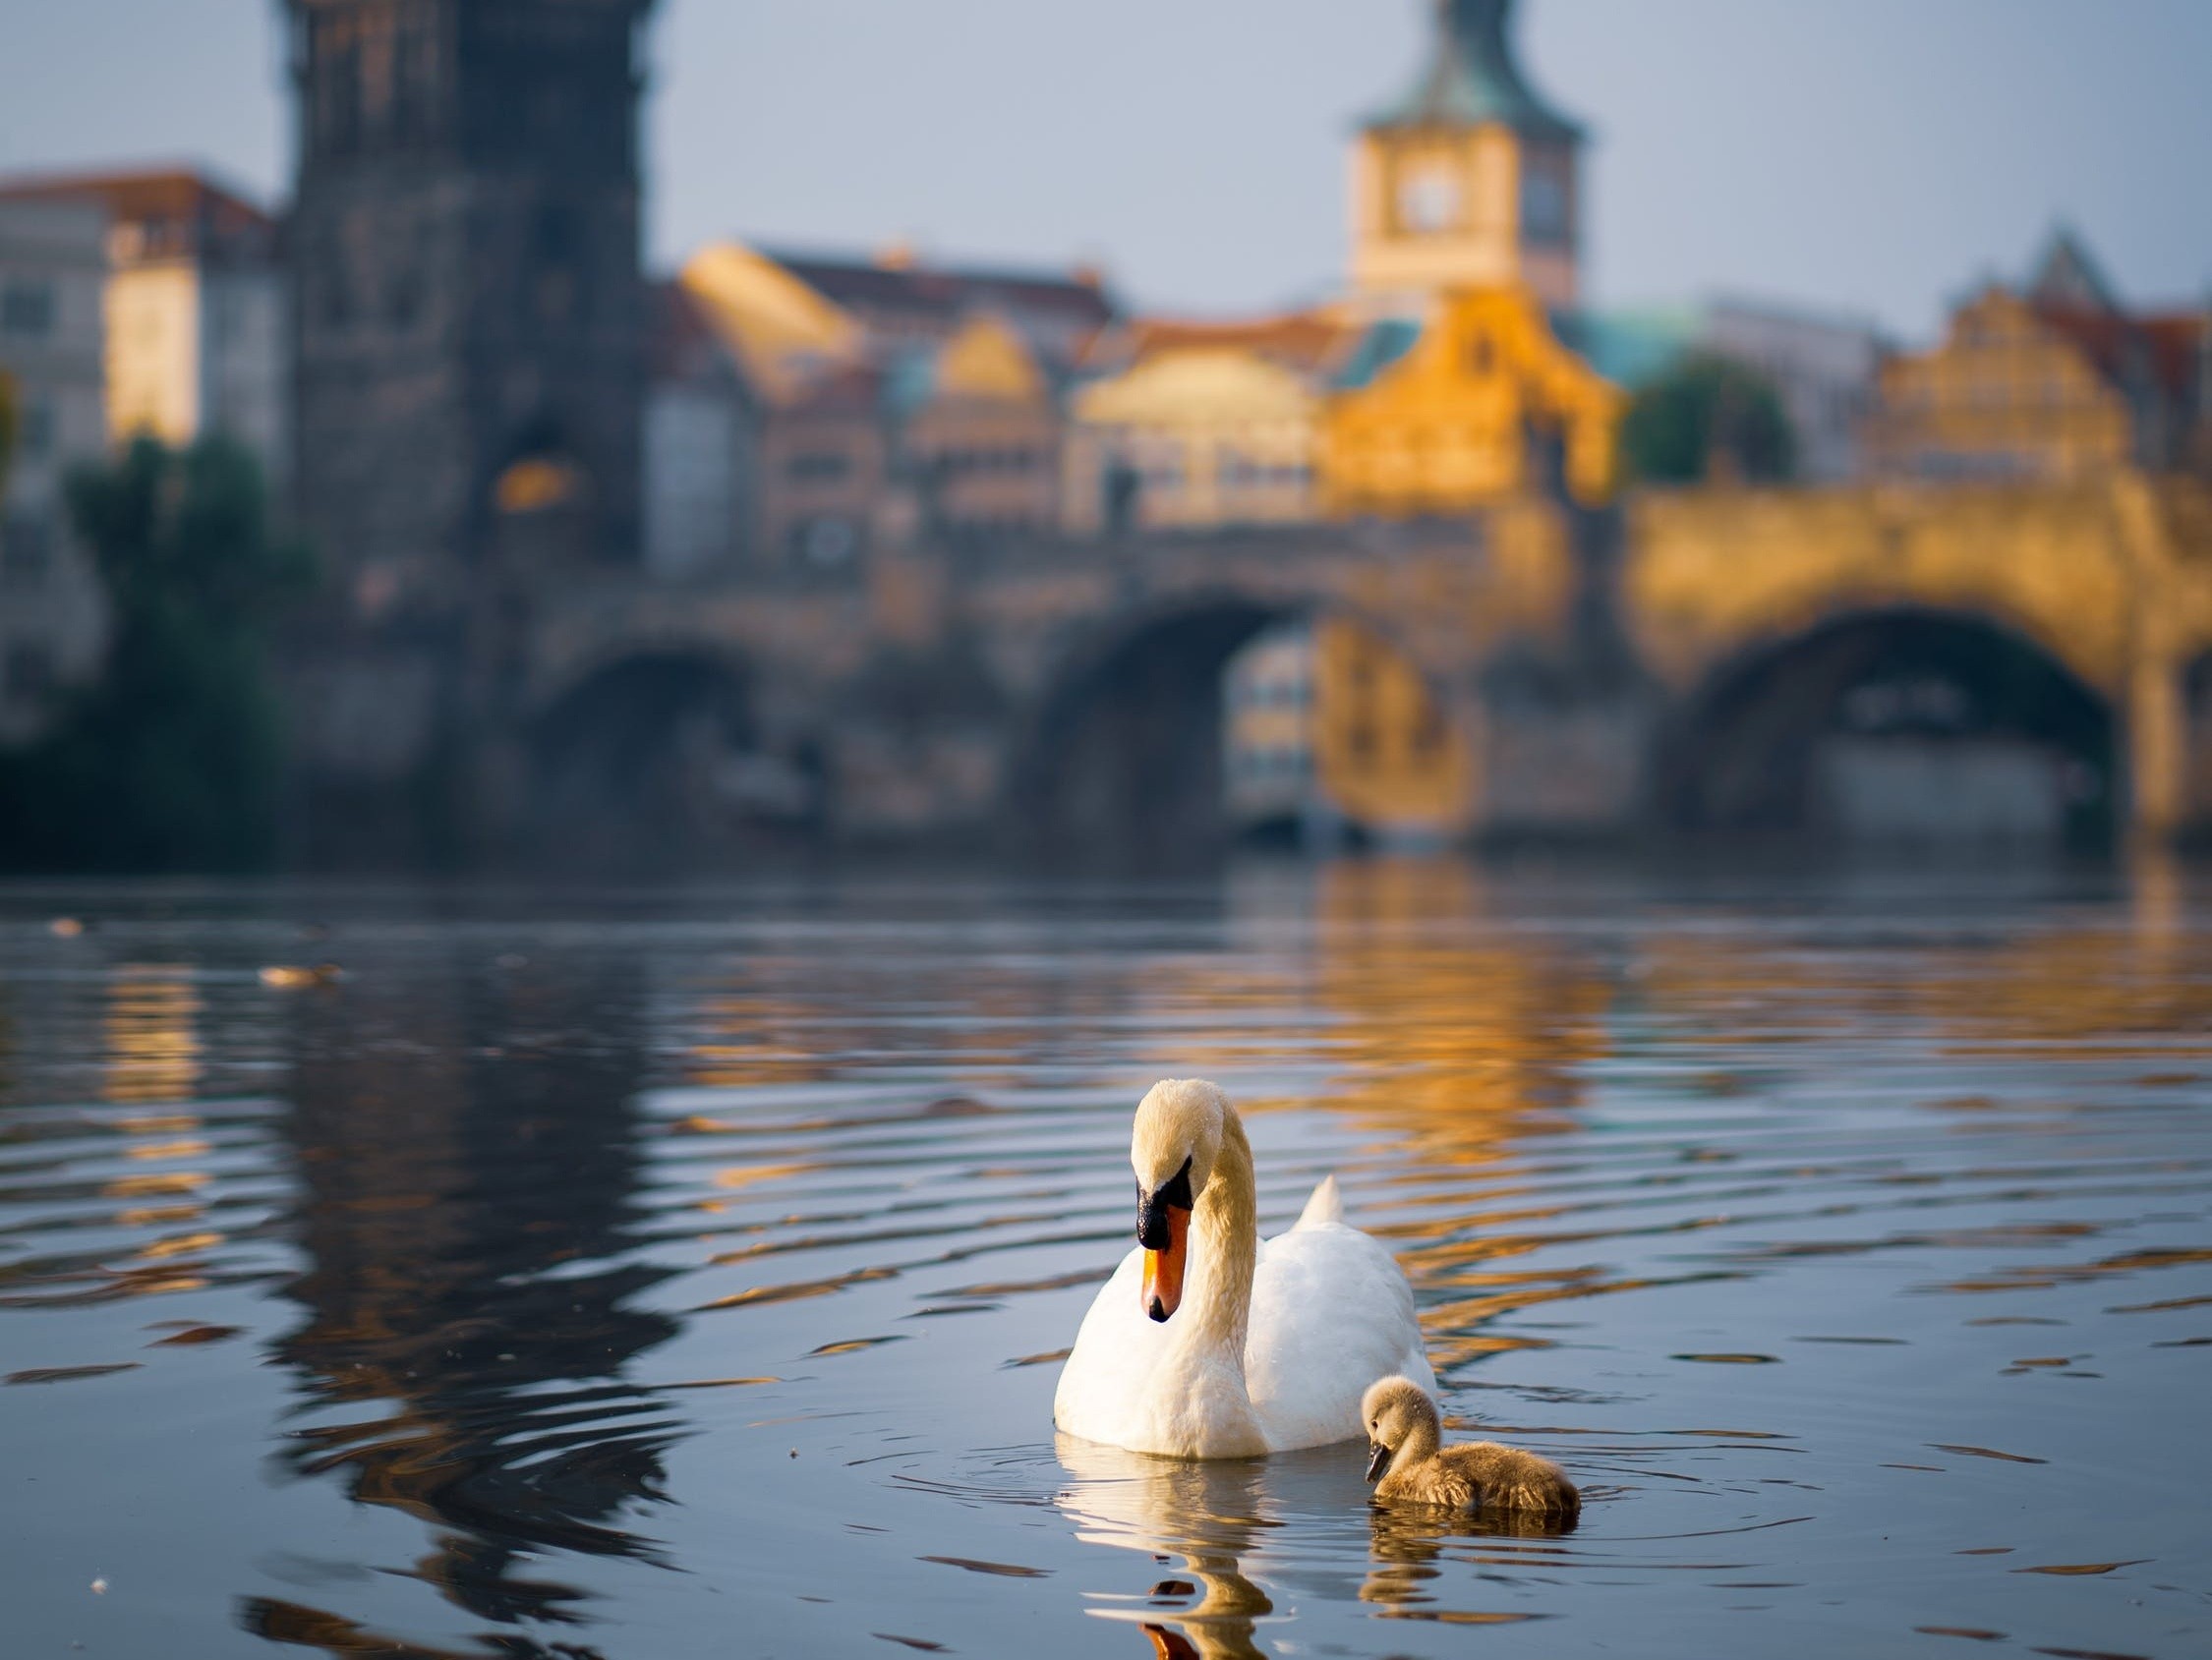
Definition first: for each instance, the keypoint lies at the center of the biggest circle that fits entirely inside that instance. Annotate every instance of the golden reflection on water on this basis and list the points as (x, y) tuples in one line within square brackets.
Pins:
[(2081, 992), (150, 1039)]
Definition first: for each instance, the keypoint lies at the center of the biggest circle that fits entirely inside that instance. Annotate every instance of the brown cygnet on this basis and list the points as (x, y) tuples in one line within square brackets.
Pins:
[(1405, 1433)]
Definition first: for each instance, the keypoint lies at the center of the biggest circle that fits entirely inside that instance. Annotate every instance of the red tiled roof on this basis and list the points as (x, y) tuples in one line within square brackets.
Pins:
[(2166, 346), (944, 294), (178, 210)]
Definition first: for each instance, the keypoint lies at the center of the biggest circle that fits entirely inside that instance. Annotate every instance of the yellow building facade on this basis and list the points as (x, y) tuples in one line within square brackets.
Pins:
[(2006, 395), (1325, 725), (1384, 751), (1192, 437), (1461, 421), (982, 439)]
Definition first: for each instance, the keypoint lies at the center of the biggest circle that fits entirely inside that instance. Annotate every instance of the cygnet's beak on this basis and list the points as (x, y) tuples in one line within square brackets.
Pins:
[(1378, 1461), (1163, 1228)]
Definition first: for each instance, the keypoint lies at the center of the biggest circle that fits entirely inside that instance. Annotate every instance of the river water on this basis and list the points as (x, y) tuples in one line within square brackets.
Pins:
[(684, 1273)]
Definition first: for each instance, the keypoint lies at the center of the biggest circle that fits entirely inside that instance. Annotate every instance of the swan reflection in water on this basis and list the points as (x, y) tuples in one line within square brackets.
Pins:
[(1206, 1517), (1224, 1524)]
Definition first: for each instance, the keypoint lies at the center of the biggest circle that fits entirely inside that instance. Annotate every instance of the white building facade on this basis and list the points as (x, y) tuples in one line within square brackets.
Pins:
[(53, 273), (198, 325)]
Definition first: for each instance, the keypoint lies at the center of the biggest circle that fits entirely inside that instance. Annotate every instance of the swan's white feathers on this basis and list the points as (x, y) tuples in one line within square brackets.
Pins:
[(1326, 1204), (1330, 1313)]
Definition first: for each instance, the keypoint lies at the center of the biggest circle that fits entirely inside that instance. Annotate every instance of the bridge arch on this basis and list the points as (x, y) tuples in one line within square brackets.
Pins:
[(1121, 755), (654, 757), (2196, 748), (1896, 723)]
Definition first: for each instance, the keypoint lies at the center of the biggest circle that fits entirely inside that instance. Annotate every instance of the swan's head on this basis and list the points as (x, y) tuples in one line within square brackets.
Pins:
[(1395, 1410), (1176, 1140)]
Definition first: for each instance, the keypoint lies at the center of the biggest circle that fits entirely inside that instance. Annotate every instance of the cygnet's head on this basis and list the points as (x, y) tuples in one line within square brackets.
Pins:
[(1172, 1148), (1395, 1410)]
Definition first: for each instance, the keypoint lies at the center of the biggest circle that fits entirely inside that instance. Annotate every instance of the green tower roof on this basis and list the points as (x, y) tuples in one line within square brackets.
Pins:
[(1471, 78)]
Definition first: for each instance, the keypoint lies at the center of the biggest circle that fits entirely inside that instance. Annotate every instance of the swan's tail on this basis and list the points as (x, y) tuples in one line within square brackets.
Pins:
[(1325, 1206)]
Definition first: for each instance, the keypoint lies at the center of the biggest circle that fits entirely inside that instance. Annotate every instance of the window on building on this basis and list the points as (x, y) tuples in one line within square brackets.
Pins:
[(25, 551), (27, 308), (1543, 203), (29, 670)]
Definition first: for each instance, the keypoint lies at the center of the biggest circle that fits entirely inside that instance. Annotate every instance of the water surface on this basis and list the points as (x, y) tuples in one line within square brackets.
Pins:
[(684, 1274)]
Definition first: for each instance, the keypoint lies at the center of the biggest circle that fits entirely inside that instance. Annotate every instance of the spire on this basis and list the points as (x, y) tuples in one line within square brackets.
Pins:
[(2066, 275), (1472, 77)]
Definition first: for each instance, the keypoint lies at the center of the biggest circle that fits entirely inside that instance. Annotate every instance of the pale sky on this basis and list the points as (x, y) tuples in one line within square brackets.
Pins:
[(1877, 156)]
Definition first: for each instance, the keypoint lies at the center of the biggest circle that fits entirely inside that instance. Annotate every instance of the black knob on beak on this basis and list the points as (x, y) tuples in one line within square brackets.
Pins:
[(1152, 1208)]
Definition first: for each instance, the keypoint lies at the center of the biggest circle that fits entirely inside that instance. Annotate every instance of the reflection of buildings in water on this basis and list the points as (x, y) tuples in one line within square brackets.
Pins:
[(150, 1033), (1453, 1042), (1207, 1515), (2075, 991), (464, 1211), (762, 1025)]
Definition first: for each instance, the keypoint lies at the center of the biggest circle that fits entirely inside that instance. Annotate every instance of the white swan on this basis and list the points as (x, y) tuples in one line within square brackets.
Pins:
[(1207, 1343)]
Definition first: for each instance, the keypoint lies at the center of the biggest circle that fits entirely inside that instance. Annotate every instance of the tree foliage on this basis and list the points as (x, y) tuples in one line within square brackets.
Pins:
[(1709, 418), (172, 760)]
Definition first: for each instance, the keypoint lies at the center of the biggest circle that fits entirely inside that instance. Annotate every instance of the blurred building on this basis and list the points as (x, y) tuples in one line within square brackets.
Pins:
[(809, 461), (1383, 750), (471, 317), (2056, 380), (197, 309), (859, 382), (1468, 180), (701, 420), (901, 298), (1486, 403), (1825, 367), (53, 271), (1267, 733), (979, 432), (1328, 732), (1201, 423)]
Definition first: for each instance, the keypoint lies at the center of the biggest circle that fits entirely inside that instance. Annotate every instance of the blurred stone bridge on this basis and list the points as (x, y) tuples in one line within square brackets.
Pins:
[(1688, 660)]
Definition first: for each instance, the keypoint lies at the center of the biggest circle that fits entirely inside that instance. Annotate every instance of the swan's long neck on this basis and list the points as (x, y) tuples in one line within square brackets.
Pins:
[(1225, 1231)]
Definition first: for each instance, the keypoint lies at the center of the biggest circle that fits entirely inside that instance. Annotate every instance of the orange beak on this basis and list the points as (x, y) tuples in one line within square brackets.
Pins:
[(1163, 1268)]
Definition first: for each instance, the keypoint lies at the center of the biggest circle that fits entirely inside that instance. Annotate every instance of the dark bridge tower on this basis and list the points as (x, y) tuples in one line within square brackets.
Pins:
[(469, 293), (469, 335)]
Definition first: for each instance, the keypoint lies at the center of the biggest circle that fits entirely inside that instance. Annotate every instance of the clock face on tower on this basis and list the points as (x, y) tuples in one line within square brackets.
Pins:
[(1428, 198)]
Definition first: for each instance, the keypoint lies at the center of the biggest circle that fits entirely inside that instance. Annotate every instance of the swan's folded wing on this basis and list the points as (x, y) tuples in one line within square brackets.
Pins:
[(1331, 1312), (1103, 1384)]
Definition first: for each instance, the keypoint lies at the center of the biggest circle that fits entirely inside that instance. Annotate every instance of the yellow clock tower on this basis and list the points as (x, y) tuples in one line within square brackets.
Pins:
[(1470, 180)]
